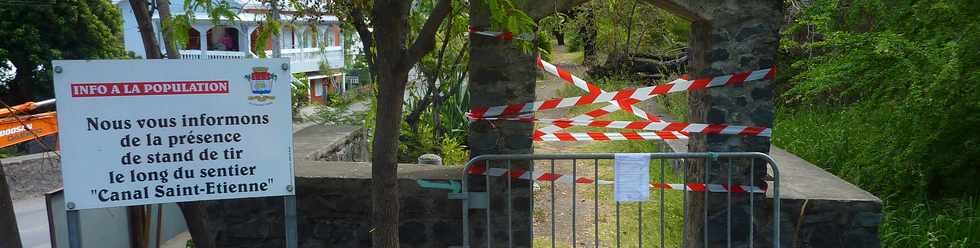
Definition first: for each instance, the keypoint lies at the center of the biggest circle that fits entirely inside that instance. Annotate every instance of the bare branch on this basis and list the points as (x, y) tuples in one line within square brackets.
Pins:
[(426, 39), (367, 38)]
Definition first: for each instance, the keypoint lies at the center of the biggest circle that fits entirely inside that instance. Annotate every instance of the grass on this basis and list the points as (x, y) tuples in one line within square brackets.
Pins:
[(949, 223), (573, 57), (842, 141), (629, 220), (629, 213), (675, 104), (7, 152)]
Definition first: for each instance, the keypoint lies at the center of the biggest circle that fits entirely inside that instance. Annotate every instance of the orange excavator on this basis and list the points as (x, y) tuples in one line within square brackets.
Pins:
[(17, 127)]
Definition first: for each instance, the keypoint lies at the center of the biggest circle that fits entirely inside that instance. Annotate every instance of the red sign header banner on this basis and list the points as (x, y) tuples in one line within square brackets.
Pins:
[(149, 88)]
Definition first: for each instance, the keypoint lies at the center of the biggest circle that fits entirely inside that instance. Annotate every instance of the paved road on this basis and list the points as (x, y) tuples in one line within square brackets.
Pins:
[(32, 221)]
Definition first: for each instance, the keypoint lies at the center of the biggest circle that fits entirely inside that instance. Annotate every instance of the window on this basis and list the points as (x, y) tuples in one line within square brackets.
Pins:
[(328, 38), (317, 87)]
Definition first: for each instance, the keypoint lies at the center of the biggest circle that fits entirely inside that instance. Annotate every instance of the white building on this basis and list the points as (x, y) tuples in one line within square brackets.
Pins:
[(305, 43)]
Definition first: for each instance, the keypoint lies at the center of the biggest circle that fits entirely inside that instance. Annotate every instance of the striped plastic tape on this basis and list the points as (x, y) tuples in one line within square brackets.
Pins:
[(481, 170), (637, 93)]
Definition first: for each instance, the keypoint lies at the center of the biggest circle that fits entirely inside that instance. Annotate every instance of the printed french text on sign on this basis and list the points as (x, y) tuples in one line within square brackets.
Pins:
[(136, 132)]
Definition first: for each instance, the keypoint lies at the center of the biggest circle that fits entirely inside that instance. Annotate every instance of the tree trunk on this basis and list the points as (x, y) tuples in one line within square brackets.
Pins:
[(196, 217), (367, 41), (390, 19), (276, 38), (588, 33), (145, 24), (559, 37), (9, 235), (167, 23), (195, 213), (136, 214), (384, 169), (629, 30)]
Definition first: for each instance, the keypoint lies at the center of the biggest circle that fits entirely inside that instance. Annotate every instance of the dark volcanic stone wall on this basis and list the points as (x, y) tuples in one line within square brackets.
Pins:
[(335, 212)]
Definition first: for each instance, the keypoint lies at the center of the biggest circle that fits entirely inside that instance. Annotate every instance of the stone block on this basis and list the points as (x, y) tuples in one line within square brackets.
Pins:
[(334, 210)]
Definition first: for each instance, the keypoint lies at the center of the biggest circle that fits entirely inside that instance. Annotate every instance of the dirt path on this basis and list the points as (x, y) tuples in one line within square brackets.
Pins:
[(563, 203)]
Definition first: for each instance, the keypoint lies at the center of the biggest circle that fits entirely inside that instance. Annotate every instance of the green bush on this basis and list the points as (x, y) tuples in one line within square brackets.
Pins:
[(885, 95), (903, 91), (940, 224), (300, 94)]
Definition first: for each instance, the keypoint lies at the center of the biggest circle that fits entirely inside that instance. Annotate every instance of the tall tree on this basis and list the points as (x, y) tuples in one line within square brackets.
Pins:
[(195, 213), (144, 22), (389, 40), (36, 33), (390, 18), (167, 24), (9, 235)]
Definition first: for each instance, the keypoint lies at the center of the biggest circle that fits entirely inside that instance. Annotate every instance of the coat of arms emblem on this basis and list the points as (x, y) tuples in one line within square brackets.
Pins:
[(261, 82)]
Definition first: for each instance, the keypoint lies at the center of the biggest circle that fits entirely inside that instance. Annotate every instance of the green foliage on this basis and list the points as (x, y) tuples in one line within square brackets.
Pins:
[(884, 94), (34, 35), (217, 12), (338, 111), (7, 152), (453, 122), (940, 224), (299, 92), (453, 151), (506, 16), (905, 84), (654, 30)]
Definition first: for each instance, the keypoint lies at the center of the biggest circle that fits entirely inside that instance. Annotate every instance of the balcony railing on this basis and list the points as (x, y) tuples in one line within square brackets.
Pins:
[(196, 54), (300, 59)]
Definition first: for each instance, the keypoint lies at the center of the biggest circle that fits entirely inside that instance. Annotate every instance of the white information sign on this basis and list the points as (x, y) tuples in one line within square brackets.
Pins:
[(136, 132), (632, 177)]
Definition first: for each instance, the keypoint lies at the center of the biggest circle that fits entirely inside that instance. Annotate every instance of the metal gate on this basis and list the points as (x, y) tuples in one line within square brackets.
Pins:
[(499, 208)]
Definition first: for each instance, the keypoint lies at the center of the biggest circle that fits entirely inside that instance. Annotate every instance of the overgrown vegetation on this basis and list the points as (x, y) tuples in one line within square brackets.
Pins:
[(881, 93), (299, 93), (338, 109), (884, 94)]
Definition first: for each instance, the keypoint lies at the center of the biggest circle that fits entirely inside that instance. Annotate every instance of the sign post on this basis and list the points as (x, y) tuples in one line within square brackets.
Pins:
[(137, 132)]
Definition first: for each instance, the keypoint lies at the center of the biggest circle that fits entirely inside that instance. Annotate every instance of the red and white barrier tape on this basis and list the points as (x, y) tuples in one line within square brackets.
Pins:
[(568, 77), (604, 136), (682, 127), (686, 85), (482, 170), (501, 35), (591, 88), (713, 188), (589, 116)]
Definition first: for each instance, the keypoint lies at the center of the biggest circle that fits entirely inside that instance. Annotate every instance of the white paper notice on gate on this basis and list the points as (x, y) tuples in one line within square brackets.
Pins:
[(632, 177), (136, 132)]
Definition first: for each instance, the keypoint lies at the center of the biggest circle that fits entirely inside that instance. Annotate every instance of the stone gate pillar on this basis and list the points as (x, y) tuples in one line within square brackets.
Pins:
[(499, 74), (726, 37)]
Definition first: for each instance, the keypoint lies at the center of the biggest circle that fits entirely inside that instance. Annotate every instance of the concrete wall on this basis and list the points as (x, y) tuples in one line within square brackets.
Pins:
[(334, 210), (352, 147), (333, 203), (821, 210), (32, 175), (817, 208)]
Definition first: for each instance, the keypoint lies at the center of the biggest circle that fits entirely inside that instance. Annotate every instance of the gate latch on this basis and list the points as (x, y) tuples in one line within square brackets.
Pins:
[(472, 200), (451, 185)]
